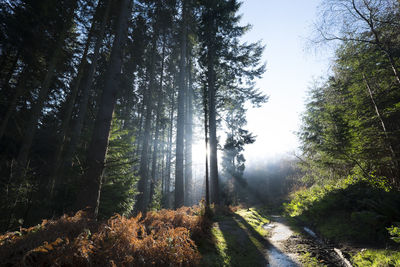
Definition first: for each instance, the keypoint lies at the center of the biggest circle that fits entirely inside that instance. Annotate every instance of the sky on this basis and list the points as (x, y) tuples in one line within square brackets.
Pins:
[(284, 27)]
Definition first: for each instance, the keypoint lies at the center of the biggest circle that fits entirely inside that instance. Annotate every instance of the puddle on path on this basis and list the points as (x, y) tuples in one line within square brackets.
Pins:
[(280, 232)]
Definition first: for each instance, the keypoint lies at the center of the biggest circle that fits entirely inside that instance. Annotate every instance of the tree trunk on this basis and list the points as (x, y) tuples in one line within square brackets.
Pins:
[(85, 92), (89, 194), (213, 129), (205, 94), (169, 152), (143, 196), (189, 139), (157, 130), (54, 177), (179, 179)]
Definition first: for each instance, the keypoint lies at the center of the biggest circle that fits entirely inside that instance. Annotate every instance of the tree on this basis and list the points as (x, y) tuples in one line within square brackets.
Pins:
[(179, 171), (89, 194), (230, 67), (373, 22), (233, 161)]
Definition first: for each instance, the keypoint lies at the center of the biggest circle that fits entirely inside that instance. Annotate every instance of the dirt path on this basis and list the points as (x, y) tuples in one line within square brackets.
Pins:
[(298, 247), (240, 239), (277, 253)]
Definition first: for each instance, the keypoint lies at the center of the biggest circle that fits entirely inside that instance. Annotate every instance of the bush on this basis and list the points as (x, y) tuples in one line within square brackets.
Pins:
[(354, 211)]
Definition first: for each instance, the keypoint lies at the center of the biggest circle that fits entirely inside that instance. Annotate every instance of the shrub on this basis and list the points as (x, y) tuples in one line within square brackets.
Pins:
[(355, 211)]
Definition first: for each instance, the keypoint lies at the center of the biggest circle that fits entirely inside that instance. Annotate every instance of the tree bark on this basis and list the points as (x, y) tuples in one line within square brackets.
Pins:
[(157, 130), (68, 111), (180, 126), (143, 196), (205, 107), (213, 129), (89, 194), (85, 92), (189, 138), (169, 152)]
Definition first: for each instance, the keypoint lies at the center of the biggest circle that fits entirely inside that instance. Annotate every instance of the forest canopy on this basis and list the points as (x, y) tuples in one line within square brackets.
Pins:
[(102, 101)]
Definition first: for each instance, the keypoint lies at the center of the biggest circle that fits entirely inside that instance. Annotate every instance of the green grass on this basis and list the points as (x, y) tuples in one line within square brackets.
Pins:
[(255, 218), (235, 240), (377, 258), (309, 261)]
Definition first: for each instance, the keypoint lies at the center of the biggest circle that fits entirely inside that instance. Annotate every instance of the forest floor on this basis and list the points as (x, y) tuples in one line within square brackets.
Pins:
[(252, 237)]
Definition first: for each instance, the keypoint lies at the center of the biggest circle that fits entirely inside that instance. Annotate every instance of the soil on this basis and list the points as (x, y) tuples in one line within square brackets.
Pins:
[(293, 245)]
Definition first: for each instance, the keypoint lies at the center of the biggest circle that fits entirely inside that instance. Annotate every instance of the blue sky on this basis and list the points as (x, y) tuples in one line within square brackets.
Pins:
[(283, 26)]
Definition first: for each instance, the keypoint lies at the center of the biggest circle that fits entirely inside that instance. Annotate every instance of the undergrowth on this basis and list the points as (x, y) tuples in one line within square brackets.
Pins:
[(164, 238), (350, 211), (355, 212), (377, 258)]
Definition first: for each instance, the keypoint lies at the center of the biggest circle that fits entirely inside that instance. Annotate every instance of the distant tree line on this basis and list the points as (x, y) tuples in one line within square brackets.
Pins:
[(99, 100)]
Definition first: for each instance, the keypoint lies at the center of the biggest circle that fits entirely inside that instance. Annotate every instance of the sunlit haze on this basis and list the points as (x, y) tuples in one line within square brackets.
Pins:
[(284, 27)]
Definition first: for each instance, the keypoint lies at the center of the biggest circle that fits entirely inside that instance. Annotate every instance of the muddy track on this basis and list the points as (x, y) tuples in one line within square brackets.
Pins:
[(288, 245)]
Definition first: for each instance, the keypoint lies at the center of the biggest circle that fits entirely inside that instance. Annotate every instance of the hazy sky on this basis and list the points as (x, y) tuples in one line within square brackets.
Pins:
[(283, 26)]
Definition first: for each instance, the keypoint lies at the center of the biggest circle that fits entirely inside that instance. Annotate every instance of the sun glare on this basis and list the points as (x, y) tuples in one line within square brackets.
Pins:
[(198, 153)]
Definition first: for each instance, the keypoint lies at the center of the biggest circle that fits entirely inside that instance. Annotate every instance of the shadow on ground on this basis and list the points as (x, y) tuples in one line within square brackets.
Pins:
[(234, 242)]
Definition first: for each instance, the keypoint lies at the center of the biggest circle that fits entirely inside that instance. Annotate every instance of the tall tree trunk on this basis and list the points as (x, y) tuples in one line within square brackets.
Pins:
[(205, 107), (157, 130), (85, 92), (54, 177), (189, 138), (89, 194), (179, 179), (139, 133), (36, 110), (169, 151), (162, 175), (143, 196), (213, 129)]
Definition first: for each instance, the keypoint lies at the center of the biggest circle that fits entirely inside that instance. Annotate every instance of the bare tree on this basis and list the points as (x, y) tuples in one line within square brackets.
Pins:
[(361, 21)]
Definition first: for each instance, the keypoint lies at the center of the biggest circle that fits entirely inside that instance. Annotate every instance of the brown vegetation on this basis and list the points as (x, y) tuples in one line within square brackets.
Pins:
[(162, 238)]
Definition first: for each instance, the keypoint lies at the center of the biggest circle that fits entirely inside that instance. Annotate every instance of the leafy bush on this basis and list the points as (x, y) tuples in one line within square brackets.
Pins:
[(160, 239), (377, 258), (351, 210), (394, 231)]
